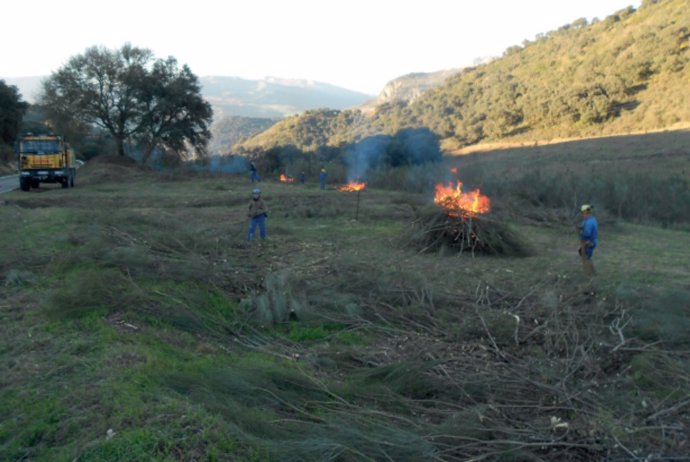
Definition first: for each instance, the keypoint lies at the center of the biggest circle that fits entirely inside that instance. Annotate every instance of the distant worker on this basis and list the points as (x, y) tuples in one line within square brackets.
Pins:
[(322, 178), (254, 177), (302, 178), (257, 215), (589, 238)]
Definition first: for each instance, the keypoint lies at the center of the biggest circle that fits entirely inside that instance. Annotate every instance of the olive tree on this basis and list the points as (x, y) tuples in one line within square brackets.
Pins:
[(175, 117), (133, 96)]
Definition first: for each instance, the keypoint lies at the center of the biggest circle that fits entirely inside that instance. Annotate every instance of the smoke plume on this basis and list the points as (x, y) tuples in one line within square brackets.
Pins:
[(412, 146)]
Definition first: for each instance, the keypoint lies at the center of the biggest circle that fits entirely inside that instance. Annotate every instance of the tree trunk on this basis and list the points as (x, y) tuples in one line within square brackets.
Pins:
[(121, 146)]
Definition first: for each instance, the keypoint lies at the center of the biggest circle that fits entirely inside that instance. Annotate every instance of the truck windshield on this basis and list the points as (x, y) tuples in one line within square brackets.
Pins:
[(39, 146)]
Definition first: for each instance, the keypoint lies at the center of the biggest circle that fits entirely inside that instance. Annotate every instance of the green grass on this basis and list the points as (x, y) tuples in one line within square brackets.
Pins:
[(134, 304)]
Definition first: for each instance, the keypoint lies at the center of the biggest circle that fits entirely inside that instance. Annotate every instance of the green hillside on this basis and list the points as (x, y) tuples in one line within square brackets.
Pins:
[(626, 73), (312, 129), (231, 129)]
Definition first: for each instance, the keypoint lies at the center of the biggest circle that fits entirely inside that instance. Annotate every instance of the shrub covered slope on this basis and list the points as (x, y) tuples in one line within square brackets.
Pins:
[(626, 73)]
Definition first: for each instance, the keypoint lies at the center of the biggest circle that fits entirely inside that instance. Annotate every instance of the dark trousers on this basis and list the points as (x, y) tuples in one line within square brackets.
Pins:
[(259, 221)]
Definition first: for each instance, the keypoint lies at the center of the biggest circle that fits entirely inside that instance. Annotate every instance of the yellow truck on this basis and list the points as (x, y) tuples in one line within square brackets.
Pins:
[(45, 159)]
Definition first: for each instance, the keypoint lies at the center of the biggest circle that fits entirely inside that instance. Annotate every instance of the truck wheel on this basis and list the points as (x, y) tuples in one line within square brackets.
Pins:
[(71, 180), (65, 183), (35, 184), (24, 184)]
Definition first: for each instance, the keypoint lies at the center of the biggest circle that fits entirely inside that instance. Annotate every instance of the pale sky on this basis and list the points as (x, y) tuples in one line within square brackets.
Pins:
[(356, 44)]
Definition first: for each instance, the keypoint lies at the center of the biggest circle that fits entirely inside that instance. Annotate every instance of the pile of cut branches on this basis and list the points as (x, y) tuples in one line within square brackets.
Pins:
[(433, 229)]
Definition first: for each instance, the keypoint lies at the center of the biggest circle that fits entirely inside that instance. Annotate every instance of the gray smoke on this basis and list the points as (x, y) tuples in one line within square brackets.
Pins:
[(412, 146), (364, 155), (224, 164)]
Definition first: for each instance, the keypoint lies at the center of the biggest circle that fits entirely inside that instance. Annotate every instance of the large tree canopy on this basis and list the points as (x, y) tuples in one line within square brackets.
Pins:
[(12, 110), (134, 96)]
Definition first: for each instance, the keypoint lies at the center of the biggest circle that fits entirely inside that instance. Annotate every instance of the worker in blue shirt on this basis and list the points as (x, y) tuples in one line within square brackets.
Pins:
[(589, 238), (322, 178)]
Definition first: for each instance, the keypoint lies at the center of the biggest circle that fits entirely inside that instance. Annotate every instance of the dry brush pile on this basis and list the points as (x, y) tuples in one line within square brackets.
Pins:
[(434, 229)]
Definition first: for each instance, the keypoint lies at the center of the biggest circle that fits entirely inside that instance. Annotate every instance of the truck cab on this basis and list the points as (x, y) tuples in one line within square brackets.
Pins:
[(44, 159)]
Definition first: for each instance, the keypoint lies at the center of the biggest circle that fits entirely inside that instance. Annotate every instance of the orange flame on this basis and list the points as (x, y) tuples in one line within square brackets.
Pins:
[(286, 179), (353, 186), (458, 203)]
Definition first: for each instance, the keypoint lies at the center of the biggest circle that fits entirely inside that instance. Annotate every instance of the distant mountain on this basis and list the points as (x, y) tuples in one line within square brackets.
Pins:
[(274, 97), (626, 73), (243, 108)]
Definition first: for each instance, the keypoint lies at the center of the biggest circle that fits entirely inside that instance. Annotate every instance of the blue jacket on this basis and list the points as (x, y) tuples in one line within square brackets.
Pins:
[(589, 230)]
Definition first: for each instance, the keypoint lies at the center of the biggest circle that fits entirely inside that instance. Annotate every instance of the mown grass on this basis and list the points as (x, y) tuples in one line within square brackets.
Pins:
[(136, 323)]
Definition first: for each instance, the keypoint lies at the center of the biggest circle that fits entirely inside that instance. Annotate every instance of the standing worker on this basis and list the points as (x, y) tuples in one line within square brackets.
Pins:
[(254, 177), (257, 215), (589, 238), (322, 178)]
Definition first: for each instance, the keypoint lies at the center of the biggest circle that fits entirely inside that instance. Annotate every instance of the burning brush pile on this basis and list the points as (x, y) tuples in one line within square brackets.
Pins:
[(354, 186), (460, 222)]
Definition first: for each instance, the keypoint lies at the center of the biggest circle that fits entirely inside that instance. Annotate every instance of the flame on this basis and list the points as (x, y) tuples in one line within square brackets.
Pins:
[(286, 179), (459, 203), (353, 186)]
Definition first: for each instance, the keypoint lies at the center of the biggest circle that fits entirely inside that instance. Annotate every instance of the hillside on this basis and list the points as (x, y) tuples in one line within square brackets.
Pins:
[(137, 323), (626, 73), (230, 130)]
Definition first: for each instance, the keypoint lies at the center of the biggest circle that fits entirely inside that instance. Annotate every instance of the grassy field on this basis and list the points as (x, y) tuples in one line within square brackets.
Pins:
[(136, 323), (636, 177)]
